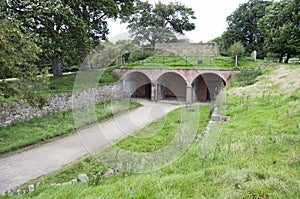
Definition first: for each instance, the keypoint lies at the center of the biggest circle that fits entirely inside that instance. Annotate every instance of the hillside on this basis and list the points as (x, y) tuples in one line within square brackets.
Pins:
[(257, 155)]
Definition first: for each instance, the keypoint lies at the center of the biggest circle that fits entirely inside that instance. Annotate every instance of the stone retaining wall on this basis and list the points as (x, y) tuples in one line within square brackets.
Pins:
[(19, 111), (187, 49)]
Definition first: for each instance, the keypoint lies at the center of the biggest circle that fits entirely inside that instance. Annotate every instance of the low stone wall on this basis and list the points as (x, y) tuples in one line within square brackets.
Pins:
[(19, 111)]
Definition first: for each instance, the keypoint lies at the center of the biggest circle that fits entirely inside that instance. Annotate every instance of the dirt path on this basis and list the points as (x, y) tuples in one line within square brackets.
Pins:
[(22, 167)]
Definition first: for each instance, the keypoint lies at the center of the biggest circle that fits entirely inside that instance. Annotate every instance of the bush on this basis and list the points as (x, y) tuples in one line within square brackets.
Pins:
[(247, 76), (140, 54)]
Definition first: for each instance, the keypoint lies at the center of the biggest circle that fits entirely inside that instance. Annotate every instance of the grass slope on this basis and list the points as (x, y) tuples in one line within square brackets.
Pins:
[(257, 155), (212, 62)]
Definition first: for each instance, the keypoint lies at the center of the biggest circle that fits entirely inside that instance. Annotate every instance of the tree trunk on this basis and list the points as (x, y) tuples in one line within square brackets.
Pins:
[(56, 66), (280, 58), (85, 66), (286, 61), (236, 60)]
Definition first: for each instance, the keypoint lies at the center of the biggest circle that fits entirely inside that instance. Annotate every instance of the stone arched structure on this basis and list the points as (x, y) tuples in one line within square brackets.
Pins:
[(137, 84), (190, 85), (171, 85), (207, 86)]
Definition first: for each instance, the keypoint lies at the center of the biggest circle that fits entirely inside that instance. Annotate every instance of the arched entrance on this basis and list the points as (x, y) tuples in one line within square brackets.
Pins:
[(171, 86), (137, 85), (207, 86)]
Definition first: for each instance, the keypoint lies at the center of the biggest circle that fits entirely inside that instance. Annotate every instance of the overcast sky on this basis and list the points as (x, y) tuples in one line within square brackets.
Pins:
[(210, 23)]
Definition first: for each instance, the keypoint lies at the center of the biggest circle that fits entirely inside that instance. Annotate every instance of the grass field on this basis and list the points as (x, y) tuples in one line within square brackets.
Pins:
[(256, 156), (41, 129)]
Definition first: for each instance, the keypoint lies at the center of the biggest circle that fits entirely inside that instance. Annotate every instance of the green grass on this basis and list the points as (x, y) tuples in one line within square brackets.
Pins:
[(257, 156), (41, 129), (212, 62), (68, 81)]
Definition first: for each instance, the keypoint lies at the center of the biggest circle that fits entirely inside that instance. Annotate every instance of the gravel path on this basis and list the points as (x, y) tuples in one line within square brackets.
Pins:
[(20, 168)]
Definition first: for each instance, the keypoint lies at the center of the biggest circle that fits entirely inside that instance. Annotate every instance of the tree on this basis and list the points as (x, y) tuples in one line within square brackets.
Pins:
[(17, 57), (236, 50), (126, 47), (94, 15), (67, 30), (104, 55), (242, 26), (280, 28), (159, 23)]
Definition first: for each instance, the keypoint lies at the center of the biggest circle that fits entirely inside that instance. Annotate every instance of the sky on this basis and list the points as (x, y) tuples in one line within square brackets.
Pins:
[(210, 23)]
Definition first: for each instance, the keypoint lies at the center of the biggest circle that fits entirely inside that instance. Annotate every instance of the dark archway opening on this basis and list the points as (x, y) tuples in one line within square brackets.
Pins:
[(137, 85), (143, 92), (171, 86), (206, 87)]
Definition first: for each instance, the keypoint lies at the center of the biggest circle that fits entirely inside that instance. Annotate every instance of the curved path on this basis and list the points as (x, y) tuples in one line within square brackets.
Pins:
[(20, 168)]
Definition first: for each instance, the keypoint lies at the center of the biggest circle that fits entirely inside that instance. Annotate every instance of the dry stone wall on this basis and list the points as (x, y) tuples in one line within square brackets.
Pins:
[(19, 111), (187, 49)]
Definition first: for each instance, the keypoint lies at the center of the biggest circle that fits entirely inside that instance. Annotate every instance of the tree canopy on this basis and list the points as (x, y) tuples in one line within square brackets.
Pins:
[(159, 23), (243, 26), (66, 30), (280, 28)]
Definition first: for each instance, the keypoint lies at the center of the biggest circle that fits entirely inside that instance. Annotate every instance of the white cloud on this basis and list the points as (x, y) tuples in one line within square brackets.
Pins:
[(211, 18)]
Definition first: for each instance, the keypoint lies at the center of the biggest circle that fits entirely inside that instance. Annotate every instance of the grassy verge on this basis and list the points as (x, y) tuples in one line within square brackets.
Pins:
[(257, 155), (41, 129), (66, 83)]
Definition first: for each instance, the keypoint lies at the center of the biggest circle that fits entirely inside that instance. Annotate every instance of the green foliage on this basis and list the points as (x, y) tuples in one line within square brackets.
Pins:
[(242, 26), (17, 56), (104, 56), (280, 27), (140, 54), (66, 30), (247, 76), (159, 23), (41, 129), (236, 49)]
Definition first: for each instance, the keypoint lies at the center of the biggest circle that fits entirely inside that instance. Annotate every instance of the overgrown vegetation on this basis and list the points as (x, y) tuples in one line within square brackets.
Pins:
[(256, 156), (247, 76), (41, 129)]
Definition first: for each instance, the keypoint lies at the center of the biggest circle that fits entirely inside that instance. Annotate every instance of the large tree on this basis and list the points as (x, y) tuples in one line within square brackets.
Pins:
[(243, 26), (18, 54), (160, 23), (66, 29), (94, 16), (280, 28)]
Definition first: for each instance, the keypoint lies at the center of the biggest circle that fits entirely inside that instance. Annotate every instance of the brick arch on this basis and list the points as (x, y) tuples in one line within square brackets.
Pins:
[(206, 86), (171, 85), (136, 84), (219, 74), (177, 72), (132, 72)]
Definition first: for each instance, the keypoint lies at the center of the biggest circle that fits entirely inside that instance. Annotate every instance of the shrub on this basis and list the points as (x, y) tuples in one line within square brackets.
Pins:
[(140, 54), (247, 76)]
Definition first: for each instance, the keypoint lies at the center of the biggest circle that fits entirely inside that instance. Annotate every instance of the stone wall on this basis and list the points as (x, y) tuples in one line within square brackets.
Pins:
[(19, 111), (187, 49)]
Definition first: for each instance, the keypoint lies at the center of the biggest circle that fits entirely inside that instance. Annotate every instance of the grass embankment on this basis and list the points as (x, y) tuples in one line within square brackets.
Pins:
[(41, 129), (209, 62), (257, 155), (66, 83)]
